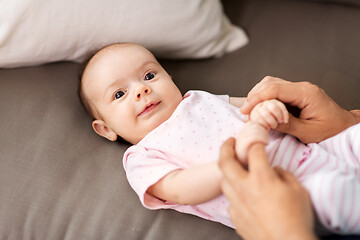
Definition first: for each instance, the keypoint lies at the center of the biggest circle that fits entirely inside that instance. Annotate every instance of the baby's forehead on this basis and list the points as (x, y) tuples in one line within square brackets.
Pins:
[(119, 52), (102, 60)]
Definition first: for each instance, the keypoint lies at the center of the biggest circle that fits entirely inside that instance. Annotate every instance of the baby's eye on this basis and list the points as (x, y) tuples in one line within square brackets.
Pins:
[(119, 94), (149, 76)]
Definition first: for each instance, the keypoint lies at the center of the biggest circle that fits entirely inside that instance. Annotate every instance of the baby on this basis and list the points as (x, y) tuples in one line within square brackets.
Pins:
[(177, 139)]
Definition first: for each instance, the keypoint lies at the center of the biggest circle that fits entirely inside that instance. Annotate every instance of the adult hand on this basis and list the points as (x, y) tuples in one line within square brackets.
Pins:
[(320, 116), (265, 203)]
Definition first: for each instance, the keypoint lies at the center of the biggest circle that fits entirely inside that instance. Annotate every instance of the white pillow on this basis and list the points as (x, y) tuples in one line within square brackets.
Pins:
[(38, 31)]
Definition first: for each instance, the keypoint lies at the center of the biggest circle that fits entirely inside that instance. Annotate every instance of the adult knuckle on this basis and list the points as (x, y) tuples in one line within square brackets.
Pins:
[(315, 88), (306, 83), (268, 78), (312, 87)]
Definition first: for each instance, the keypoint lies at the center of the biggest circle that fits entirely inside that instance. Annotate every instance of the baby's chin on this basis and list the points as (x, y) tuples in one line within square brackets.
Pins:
[(149, 129), (139, 136), (150, 124)]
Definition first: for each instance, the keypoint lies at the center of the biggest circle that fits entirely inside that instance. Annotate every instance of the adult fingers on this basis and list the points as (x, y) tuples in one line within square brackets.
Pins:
[(276, 88), (229, 165), (258, 161), (231, 192), (305, 130), (285, 175), (259, 93)]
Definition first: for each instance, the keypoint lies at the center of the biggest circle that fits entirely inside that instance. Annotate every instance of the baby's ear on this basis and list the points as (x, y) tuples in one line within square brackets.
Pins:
[(101, 128)]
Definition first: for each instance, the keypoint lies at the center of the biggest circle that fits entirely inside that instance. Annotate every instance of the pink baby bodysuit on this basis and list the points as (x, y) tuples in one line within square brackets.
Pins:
[(193, 136)]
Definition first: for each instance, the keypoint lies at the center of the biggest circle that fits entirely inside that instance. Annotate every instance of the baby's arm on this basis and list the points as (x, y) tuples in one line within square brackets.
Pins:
[(190, 186)]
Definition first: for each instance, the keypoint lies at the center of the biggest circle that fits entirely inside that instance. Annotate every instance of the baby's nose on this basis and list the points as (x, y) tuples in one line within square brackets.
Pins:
[(143, 91)]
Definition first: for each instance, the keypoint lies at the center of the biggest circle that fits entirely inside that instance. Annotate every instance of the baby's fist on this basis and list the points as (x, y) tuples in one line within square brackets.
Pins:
[(250, 134), (270, 114)]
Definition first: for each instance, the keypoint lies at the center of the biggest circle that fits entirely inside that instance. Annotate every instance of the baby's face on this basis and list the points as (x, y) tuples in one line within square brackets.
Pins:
[(130, 91)]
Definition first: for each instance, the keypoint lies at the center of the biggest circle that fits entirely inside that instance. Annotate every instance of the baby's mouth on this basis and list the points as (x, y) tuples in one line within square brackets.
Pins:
[(149, 108)]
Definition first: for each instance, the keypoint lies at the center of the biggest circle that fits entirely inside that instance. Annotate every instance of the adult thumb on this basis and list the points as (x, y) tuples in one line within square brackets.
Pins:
[(306, 130)]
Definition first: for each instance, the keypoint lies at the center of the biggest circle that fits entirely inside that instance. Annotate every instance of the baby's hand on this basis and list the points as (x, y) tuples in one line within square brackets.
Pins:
[(270, 113), (251, 133)]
